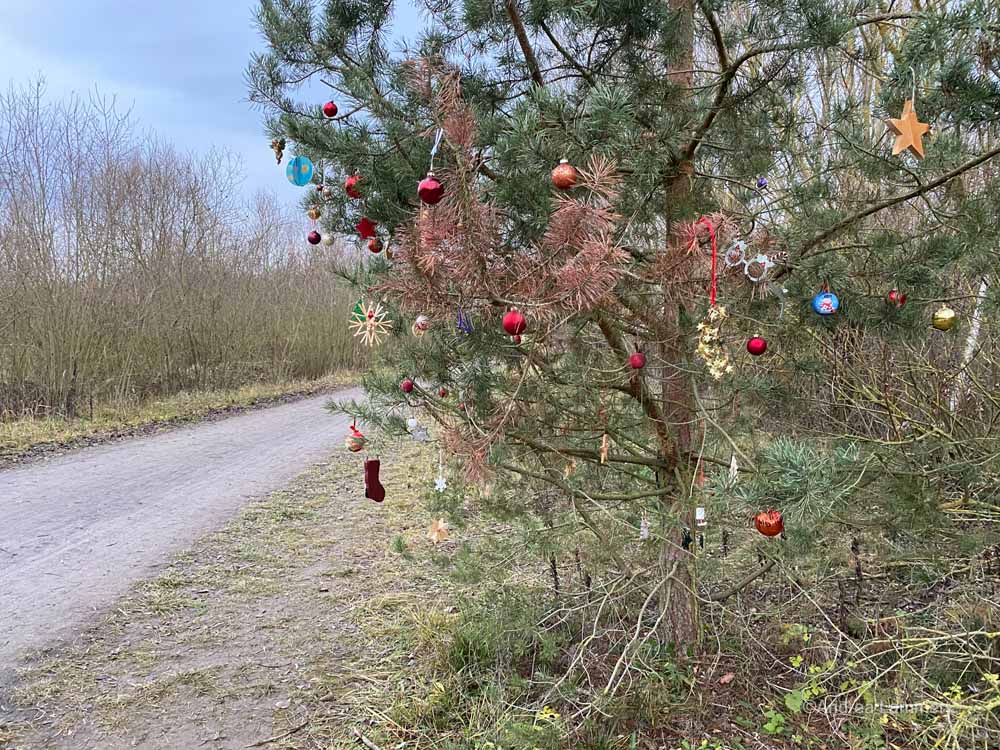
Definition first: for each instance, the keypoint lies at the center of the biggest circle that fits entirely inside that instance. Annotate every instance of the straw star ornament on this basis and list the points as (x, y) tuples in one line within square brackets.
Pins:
[(438, 532), (371, 322)]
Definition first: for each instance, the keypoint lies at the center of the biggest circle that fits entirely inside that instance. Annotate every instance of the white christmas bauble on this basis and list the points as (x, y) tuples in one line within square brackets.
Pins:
[(327, 239), (411, 423)]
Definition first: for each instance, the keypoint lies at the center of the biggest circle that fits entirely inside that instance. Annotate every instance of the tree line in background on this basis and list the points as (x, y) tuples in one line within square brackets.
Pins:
[(131, 270)]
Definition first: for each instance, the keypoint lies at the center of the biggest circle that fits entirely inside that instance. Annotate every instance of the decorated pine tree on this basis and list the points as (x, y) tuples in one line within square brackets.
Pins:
[(679, 264)]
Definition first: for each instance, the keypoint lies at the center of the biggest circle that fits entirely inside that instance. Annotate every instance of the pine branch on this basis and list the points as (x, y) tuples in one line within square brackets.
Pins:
[(713, 23), (888, 203), (567, 56), (592, 456), (742, 583), (522, 39), (729, 74), (637, 389)]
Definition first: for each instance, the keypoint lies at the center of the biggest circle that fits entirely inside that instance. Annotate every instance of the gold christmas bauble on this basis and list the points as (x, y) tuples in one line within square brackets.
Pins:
[(313, 213), (944, 318)]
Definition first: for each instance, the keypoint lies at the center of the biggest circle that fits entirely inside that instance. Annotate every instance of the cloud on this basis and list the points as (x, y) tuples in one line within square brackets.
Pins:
[(178, 65)]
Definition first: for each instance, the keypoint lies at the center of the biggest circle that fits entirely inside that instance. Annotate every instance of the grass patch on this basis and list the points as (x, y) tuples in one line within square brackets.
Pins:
[(23, 436)]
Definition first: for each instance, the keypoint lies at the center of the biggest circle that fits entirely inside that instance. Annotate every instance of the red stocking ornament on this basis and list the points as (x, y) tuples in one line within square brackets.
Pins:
[(373, 487)]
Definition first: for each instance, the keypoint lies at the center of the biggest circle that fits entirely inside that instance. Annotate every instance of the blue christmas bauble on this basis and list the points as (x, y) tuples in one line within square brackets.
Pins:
[(300, 171), (825, 303), (761, 182)]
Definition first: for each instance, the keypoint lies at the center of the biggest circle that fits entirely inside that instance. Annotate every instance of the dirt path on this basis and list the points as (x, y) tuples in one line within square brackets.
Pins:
[(78, 530), (295, 623)]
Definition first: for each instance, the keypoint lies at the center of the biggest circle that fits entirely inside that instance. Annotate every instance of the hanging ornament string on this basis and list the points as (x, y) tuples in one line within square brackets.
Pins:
[(437, 143), (440, 484), (715, 252)]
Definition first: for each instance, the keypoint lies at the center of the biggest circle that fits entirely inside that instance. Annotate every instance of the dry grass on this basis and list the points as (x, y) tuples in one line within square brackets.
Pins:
[(23, 436)]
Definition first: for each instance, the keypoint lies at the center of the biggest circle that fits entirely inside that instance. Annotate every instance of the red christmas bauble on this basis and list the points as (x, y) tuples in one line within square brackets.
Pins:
[(430, 189), (461, 406), (756, 345), (517, 339), (407, 386), (769, 522), (896, 298), (351, 186), (374, 245), (314, 237), (637, 360), (443, 392), (564, 176), (514, 323), (366, 228), (330, 109)]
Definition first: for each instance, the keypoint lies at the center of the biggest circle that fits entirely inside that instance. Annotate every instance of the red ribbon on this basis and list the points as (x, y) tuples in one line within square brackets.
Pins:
[(715, 251)]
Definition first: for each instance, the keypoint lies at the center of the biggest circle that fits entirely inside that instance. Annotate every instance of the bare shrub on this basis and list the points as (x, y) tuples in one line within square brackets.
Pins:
[(130, 270)]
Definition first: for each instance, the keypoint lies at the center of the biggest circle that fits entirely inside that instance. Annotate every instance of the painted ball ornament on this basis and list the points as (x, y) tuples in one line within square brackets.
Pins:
[(756, 345), (299, 171), (564, 176), (514, 323), (944, 318), (825, 303), (314, 237), (637, 360), (430, 190), (374, 246), (769, 522), (421, 325), (406, 386), (355, 441), (330, 109), (896, 298), (351, 186)]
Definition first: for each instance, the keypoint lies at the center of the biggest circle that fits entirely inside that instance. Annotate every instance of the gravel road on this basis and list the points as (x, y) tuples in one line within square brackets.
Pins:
[(77, 530)]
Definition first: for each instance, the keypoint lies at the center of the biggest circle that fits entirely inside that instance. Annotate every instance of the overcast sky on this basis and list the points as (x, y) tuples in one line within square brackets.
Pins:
[(177, 63)]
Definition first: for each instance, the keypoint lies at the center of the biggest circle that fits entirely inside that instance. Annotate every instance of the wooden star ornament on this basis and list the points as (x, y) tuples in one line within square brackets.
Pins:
[(908, 130)]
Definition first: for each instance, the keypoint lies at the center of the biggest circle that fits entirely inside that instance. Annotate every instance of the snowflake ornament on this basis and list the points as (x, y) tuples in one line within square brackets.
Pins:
[(371, 322), (440, 484)]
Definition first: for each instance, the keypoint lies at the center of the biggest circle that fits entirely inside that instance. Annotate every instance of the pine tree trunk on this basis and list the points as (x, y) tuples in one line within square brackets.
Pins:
[(678, 604)]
